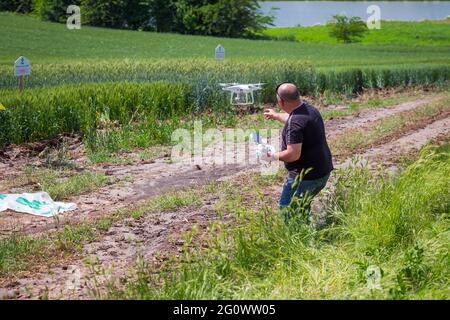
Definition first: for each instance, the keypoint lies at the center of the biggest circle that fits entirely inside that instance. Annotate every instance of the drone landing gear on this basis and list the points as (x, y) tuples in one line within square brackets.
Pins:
[(242, 99)]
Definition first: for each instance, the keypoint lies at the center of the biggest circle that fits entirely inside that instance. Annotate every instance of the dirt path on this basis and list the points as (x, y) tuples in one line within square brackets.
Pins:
[(160, 176), (388, 154), (118, 249), (366, 116)]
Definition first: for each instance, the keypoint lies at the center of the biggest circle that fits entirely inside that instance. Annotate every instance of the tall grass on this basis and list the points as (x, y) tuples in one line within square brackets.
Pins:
[(398, 224), (44, 113)]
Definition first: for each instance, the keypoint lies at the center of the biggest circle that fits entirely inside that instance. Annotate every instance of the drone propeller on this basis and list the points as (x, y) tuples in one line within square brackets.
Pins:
[(228, 84)]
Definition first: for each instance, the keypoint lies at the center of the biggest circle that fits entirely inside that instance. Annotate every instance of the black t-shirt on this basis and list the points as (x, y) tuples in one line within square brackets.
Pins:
[(305, 125)]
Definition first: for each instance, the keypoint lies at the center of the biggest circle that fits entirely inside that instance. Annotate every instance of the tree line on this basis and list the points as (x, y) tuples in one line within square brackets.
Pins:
[(225, 18)]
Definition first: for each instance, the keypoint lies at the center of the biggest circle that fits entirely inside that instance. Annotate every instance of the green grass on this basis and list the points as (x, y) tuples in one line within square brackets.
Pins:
[(50, 43), (74, 185), (14, 249), (22, 252), (396, 224), (415, 34), (61, 183), (168, 202)]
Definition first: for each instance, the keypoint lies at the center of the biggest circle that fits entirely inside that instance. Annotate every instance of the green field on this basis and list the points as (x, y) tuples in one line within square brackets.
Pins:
[(80, 77), (417, 34), (44, 42)]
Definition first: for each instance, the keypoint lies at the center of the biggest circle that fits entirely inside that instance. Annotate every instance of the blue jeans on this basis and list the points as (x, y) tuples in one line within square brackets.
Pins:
[(297, 194)]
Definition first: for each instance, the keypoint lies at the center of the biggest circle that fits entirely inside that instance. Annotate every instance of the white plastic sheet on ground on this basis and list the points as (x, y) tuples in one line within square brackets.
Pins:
[(38, 204)]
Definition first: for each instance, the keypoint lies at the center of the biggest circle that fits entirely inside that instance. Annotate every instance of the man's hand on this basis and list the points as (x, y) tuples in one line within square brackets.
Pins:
[(270, 114), (266, 152)]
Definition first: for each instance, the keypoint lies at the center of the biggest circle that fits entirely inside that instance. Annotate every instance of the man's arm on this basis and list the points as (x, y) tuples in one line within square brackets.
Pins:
[(291, 154), (271, 114)]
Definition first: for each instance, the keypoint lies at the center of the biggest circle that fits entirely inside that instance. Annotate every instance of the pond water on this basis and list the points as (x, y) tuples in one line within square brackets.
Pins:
[(307, 13)]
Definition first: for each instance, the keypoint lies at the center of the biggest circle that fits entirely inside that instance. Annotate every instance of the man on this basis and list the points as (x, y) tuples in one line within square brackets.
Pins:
[(304, 151)]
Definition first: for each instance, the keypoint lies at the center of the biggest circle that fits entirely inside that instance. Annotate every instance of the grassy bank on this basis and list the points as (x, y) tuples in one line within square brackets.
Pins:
[(388, 240), (406, 33)]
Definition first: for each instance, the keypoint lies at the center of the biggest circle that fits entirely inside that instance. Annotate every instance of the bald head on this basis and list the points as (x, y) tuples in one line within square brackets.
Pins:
[(288, 92)]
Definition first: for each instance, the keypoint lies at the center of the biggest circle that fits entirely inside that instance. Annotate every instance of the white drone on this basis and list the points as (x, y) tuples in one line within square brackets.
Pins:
[(241, 94)]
